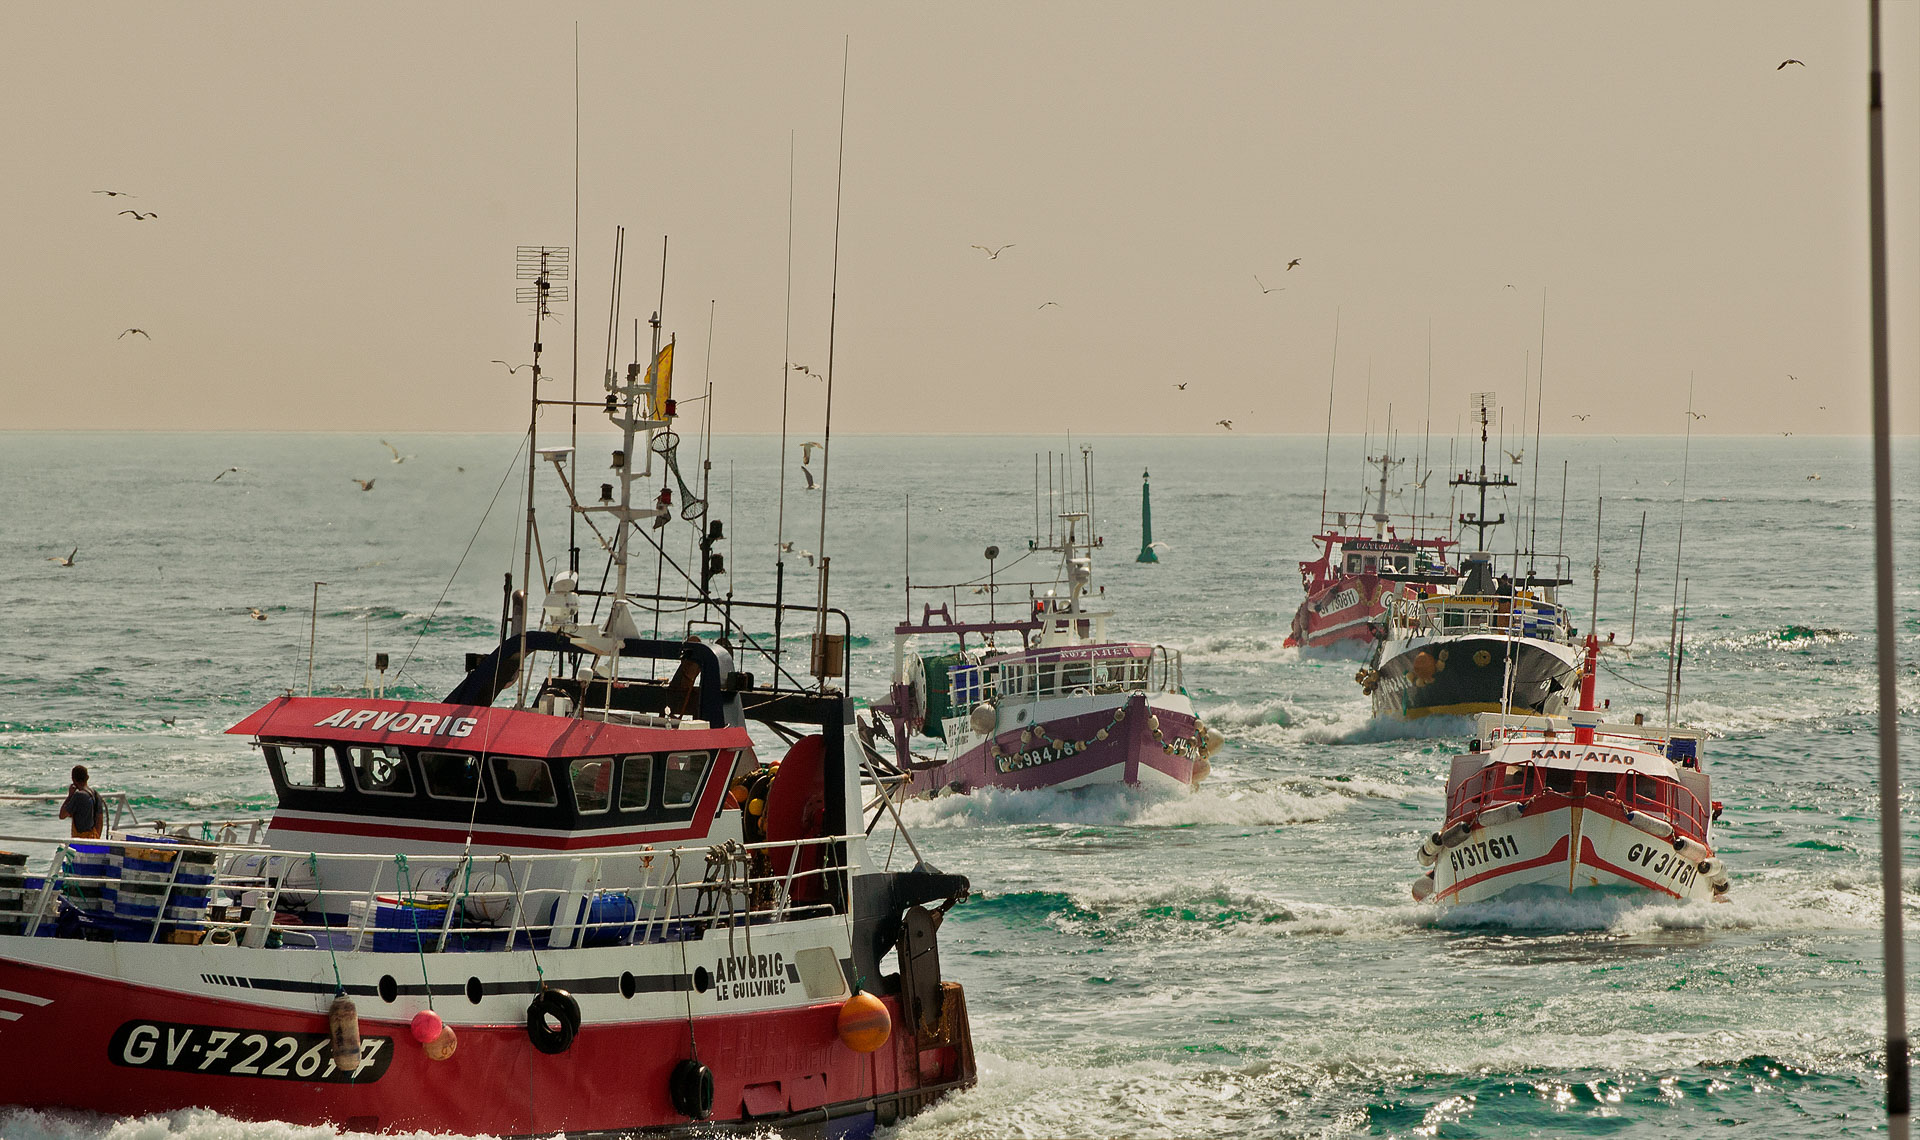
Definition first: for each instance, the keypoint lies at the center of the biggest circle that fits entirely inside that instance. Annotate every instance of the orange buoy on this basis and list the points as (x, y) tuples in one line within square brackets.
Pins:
[(864, 1023), (441, 1047)]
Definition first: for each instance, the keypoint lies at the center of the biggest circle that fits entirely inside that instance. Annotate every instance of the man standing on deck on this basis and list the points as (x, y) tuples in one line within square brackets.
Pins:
[(83, 806)]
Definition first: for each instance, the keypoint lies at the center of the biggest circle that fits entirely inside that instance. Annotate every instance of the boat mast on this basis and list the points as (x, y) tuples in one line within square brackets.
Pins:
[(1326, 455), (543, 265), (824, 664), (1481, 404)]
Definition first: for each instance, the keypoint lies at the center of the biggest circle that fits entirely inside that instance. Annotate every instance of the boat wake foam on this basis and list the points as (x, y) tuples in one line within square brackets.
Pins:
[(186, 1124), (1119, 806)]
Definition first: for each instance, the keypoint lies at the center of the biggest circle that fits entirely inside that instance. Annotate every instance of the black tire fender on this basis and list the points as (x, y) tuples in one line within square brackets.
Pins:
[(691, 1087), (563, 1009)]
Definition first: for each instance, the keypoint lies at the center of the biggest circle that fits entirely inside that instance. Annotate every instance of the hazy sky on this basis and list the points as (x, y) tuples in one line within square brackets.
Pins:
[(340, 189)]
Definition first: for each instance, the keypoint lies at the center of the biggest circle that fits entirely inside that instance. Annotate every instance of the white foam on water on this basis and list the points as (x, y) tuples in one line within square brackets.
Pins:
[(1358, 726), (1747, 906), (1241, 648), (1118, 805), (185, 1124), (1273, 710)]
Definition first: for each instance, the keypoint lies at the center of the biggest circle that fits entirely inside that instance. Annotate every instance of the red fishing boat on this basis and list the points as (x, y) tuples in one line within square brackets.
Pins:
[(1351, 585), (1573, 806), (580, 893)]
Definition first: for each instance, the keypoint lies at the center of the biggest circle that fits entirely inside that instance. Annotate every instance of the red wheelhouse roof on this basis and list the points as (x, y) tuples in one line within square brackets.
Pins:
[(469, 728)]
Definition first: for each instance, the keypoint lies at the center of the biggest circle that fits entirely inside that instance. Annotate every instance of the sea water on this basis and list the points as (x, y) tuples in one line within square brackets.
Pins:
[(1242, 961)]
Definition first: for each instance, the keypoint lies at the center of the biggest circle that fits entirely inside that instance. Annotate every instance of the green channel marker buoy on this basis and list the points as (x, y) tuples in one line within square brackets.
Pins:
[(1146, 521)]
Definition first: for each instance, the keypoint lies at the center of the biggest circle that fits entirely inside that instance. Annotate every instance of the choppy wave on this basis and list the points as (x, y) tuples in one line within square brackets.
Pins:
[(1240, 648), (1359, 726), (1119, 806), (197, 1123)]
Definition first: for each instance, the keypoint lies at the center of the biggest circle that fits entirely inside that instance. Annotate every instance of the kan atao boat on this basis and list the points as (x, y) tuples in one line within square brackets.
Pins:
[(1568, 805)]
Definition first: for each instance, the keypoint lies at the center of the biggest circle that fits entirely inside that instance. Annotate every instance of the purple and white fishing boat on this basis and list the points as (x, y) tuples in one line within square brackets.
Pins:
[(1040, 697)]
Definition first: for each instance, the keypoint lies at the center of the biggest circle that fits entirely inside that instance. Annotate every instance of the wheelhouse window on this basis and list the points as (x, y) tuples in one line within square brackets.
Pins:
[(307, 767), (380, 771), (452, 775), (592, 782), (1353, 563), (686, 771), (523, 781), (636, 783), (1076, 675)]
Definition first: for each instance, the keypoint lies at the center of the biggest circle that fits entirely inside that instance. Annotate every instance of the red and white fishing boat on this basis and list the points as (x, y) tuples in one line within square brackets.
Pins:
[(1350, 586), (575, 895), (1545, 805), (1065, 708)]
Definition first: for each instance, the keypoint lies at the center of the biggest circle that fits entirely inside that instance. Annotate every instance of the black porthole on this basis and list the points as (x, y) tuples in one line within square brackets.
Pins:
[(389, 989), (473, 990), (702, 981), (627, 985)]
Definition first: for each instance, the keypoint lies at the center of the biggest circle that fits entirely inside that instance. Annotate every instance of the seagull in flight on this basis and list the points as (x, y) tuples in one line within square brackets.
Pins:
[(801, 368), (168, 720), (1180, 387), (994, 253), (1815, 475), (511, 368), (1786, 433), (397, 457), (1584, 418), (1514, 456), (1044, 304), (1697, 415), (129, 332), (806, 452), (1263, 286), (365, 484), (227, 472), (67, 561), (114, 193), (1292, 263), (256, 613), (1228, 424), (1785, 62), (808, 472), (1791, 376), (138, 216)]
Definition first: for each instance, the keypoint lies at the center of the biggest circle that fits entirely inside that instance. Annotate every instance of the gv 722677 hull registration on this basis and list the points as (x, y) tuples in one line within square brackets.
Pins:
[(228, 1052)]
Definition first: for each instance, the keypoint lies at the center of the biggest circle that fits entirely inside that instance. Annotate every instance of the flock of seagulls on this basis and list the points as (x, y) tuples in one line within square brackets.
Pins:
[(137, 216)]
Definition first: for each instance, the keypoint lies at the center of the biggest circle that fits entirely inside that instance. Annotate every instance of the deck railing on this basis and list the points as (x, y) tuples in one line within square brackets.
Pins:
[(1498, 784), (430, 903)]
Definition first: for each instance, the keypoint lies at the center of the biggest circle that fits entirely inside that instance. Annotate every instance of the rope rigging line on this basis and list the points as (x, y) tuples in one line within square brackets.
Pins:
[(313, 864), (512, 465), (413, 913)]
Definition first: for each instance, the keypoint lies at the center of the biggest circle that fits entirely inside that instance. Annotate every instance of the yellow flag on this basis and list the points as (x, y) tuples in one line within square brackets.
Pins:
[(661, 377)]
